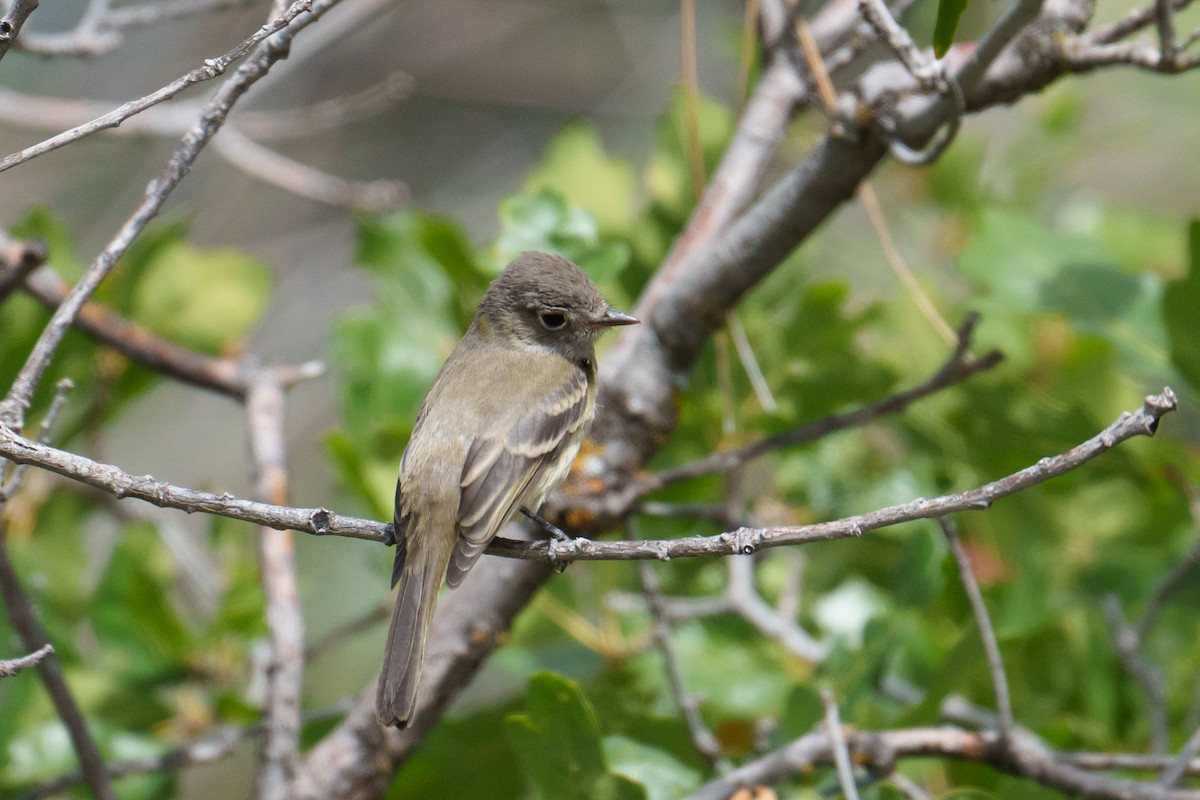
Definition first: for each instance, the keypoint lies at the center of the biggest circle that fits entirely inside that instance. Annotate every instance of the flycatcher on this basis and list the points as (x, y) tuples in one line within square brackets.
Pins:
[(499, 430)]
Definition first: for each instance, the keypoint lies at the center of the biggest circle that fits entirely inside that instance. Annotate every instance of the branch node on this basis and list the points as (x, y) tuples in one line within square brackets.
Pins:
[(321, 520)]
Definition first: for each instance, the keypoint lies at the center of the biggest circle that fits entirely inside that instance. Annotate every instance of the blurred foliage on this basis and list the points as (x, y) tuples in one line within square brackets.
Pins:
[(1094, 305)]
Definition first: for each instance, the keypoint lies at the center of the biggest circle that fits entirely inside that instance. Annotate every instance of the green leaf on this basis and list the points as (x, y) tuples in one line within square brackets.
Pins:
[(206, 299), (545, 221), (558, 743), (948, 14), (576, 166), (1180, 310), (662, 776)]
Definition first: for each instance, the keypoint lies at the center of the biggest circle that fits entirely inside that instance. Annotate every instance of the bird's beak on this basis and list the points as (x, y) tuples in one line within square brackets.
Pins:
[(613, 318)]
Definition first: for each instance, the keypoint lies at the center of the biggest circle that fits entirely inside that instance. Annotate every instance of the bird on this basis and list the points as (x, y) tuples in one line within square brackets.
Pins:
[(497, 432)]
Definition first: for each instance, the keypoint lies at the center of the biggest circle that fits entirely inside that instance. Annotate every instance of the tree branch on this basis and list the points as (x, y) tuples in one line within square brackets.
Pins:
[(280, 752), (13, 21), (21, 615), (12, 408), (689, 705), (17, 260), (880, 750), (958, 367), (322, 522), (1142, 422), (13, 666), (224, 375), (983, 622)]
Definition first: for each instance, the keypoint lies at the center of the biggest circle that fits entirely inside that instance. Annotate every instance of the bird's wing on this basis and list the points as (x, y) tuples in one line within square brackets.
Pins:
[(500, 471)]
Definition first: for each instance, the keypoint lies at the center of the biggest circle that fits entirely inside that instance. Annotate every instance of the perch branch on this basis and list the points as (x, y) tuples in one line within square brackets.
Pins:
[(322, 522)]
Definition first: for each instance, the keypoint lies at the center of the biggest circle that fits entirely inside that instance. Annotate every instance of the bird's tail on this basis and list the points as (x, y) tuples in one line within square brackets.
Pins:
[(420, 578)]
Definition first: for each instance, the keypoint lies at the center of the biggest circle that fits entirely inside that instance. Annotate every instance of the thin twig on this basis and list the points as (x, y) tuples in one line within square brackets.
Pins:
[(880, 750), (702, 738), (211, 68), (12, 408), (1178, 574), (741, 345), (211, 747), (691, 95), (743, 599), (837, 743), (928, 71), (1127, 762), (1174, 773), (280, 752), (23, 619), (998, 37), (334, 636), (224, 375), (307, 181), (987, 633), (17, 260), (957, 368), (337, 112), (907, 786), (899, 265), (61, 390), (13, 666), (1129, 649), (1131, 23)]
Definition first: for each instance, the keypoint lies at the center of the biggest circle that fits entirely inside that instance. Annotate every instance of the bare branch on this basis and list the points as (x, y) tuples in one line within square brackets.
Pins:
[(958, 368), (1020, 14), (13, 666), (1134, 21), (21, 615), (983, 622), (928, 71), (214, 746), (12, 408), (212, 68), (1178, 574), (285, 625), (12, 22), (1142, 422), (880, 750), (319, 521), (702, 738), (287, 123), (227, 376), (61, 390), (1174, 773), (306, 181), (151, 13), (110, 479), (1165, 23), (1129, 649), (837, 743), (17, 260), (334, 636), (1128, 762)]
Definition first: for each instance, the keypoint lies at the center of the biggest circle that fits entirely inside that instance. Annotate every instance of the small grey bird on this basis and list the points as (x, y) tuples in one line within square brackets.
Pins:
[(499, 430)]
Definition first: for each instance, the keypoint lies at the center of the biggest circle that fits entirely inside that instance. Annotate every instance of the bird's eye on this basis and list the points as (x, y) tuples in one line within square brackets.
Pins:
[(552, 320)]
